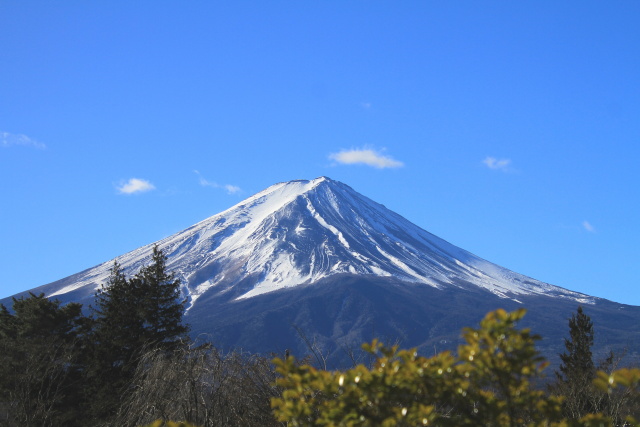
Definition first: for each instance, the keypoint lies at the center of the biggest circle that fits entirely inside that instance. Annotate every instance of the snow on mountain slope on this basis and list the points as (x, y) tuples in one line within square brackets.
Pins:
[(299, 232)]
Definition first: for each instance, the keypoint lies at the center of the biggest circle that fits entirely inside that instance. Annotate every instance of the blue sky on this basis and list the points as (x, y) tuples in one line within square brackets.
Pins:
[(510, 129)]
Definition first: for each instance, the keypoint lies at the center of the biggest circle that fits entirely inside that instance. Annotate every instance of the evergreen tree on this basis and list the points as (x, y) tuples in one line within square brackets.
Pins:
[(7, 353), (578, 360), (8, 325), (577, 371), (161, 309), (131, 316), (40, 348), (115, 340), (118, 324)]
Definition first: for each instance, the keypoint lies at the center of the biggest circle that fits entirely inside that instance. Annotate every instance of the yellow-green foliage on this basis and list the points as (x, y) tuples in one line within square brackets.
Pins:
[(629, 378), (486, 384)]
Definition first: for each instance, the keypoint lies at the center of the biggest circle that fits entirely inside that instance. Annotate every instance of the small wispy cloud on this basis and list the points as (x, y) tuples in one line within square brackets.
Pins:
[(230, 189), (135, 185), (366, 105), (204, 182), (10, 139), (365, 156), (587, 226), (497, 164)]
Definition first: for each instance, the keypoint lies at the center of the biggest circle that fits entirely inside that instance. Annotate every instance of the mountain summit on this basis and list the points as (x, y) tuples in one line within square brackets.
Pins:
[(299, 232), (317, 256)]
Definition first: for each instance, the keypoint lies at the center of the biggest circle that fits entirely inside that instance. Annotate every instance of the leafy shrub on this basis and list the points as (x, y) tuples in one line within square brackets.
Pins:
[(488, 383)]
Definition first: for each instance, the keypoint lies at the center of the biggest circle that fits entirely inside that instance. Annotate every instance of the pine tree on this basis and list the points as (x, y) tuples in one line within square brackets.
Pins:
[(115, 341), (7, 324), (577, 371), (131, 316), (7, 357), (578, 360), (118, 324), (161, 309), (40, 347)]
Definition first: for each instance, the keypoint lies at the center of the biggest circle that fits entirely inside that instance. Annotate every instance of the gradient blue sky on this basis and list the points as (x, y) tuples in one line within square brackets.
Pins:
[(510, 129)]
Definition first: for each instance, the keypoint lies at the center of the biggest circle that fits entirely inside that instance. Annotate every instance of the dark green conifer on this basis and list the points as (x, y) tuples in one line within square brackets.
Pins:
[(577, 371), (161, 306), (132, 316), (40, 348), (115, 336), (118, 325), (577, 361)]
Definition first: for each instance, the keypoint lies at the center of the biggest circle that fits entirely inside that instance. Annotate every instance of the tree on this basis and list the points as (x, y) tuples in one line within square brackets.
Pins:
[(488, 383), (40, 348), (577, 370), (578, 360), (114, 343), (201, 385), (131, 316), (144, 311), (160, 308), (575, 376)]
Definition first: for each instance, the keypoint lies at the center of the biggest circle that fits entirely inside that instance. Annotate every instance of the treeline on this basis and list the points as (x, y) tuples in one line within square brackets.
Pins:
[(129, 362)]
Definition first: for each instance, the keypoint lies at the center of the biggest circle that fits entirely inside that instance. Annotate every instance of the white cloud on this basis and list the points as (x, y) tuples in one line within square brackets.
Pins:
[(497, 164), (367, 157), (230, 189), (365, 105), (135, 185), (8, 139), (587, 226)]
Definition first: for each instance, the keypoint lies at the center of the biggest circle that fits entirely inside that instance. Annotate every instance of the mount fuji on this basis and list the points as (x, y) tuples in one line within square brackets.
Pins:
[(313, 260)]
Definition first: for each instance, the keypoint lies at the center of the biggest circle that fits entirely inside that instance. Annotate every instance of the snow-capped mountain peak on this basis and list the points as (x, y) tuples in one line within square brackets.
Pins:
[(299, 232)]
